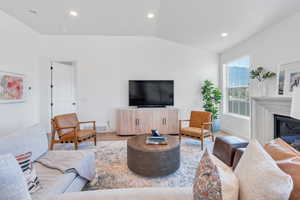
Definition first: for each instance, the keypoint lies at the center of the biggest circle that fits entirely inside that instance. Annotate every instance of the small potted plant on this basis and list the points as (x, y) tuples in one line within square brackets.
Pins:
[(211, 97), (260, 74)]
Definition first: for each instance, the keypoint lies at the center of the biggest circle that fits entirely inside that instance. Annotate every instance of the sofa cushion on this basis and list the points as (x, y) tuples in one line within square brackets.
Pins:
[(215, 180), (52, 181), (13, 184), (193, 131), (260, 177), (280, 150), (288, 159), (292, 167), (25, 163), (32, 139)]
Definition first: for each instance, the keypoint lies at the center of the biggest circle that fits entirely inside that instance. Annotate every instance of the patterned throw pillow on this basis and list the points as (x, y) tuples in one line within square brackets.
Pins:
[(32, 180), (214, 180)]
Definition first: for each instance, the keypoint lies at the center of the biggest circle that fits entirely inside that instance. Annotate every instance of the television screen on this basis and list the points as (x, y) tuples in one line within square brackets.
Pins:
[(151, 93)]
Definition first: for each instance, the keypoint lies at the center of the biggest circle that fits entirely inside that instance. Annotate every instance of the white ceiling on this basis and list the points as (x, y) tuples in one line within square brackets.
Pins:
[(193, 22)]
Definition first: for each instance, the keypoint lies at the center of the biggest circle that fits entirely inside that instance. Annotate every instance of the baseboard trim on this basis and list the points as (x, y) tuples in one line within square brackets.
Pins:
[(232, 132)]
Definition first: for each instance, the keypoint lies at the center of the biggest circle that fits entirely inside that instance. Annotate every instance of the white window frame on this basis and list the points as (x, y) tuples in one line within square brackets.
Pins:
[(225, 88)]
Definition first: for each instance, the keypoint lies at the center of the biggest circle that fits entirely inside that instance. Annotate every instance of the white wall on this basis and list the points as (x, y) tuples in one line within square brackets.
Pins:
[(106, 63), (18, 53), (276, 45)]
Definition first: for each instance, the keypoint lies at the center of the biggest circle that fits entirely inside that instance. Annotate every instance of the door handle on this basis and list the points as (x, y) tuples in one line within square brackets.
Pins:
[(137, 122)]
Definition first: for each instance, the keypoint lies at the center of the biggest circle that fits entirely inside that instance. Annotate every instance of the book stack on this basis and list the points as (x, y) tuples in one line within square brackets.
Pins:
[(156, 140)]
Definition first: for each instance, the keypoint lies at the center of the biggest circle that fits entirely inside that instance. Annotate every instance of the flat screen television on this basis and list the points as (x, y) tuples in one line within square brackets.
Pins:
[(158, 93)]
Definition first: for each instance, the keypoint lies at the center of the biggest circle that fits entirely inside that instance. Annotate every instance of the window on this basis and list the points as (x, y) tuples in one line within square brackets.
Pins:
[(237, 86)]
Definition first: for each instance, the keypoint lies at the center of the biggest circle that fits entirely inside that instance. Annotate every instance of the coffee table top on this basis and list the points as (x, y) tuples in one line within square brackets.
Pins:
[(139, 143)]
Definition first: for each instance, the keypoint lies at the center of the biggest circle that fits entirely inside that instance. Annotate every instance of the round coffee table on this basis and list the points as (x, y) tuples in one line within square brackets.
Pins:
[(153, 160)]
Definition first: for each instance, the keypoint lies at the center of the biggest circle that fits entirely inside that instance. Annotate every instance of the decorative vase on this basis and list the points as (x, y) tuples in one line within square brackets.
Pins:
[(262, 91)]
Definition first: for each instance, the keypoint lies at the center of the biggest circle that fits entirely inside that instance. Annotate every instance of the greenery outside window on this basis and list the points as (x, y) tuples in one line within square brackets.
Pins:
[(237, 86)]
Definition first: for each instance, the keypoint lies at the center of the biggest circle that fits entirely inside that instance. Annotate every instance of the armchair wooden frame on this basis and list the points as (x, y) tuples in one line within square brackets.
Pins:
[(73, 138), (203, 133)]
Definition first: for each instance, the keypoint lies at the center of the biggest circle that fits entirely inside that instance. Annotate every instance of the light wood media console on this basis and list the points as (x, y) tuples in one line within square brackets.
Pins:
[(137, 121)]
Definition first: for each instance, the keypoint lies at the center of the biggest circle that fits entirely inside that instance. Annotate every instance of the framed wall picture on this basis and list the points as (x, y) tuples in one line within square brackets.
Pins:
[(11, 87), (289, 78)]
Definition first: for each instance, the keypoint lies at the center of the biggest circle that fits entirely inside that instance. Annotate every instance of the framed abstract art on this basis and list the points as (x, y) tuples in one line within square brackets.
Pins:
[(11, 87), (289, 78)]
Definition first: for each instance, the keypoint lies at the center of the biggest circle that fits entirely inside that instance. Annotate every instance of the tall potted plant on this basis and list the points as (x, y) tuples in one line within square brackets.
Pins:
[(211, 97)]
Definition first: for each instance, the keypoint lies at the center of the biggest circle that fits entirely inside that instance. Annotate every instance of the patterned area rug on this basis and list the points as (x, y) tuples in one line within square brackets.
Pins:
[(112, 170)]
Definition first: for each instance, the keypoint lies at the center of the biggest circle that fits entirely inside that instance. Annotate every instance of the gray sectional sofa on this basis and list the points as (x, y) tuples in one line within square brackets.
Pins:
[(34, 139), (67, 186)]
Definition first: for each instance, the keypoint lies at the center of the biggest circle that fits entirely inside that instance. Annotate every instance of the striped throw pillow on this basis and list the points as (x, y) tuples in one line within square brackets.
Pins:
[(32, 180)]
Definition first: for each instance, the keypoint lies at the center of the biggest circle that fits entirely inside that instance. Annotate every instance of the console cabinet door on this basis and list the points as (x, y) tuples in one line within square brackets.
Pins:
[(143, 121), (166, 121), (126, 122), (171, 121), (160, 118)]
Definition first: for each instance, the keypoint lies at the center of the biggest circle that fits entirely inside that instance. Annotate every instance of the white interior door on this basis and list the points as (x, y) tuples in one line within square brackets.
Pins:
[(63, 90)]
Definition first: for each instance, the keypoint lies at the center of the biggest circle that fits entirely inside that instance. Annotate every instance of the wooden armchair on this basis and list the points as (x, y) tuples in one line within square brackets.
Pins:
[(200, 126), (68, 129)]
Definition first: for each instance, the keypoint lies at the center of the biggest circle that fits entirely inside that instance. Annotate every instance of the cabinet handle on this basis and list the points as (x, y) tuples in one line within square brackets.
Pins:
[(136, 122), (164, 121)]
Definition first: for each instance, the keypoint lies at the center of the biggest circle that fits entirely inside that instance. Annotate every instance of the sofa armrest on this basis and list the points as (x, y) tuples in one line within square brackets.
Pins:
[(130, 194), (89, 122)]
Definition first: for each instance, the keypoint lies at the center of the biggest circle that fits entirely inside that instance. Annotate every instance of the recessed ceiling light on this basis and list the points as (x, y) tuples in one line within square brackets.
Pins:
[(150, 15), (73, 13), (224, 34)]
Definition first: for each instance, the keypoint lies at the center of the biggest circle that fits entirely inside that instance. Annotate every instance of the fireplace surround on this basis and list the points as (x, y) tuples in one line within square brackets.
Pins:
[(262, 116)]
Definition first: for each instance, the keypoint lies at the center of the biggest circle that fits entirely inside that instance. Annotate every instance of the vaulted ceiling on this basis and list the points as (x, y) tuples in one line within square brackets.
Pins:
[(193, 22)]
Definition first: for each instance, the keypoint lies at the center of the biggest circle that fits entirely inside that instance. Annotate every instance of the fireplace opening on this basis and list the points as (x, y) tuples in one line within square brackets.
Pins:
[(288, 129)]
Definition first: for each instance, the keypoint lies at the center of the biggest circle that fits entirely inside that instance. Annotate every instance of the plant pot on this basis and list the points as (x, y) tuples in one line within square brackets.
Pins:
[(216, 125)]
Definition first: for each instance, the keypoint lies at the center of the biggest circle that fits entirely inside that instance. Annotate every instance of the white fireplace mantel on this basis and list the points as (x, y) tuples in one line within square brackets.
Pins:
[(262, 116)]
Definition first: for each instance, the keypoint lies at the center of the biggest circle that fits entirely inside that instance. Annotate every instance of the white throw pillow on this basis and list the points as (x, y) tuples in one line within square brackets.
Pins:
[(13, 185), (259, 176)]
